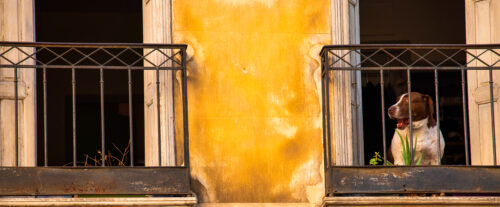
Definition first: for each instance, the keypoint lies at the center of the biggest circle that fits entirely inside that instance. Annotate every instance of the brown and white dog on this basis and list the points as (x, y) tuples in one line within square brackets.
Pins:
[(424, 128)]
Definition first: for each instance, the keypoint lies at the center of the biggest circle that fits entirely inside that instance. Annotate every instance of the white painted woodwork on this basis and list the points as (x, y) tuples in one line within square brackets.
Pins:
[(483, 27), (417, 201), (157, 28), (16, 24), (104, 201), (345, 88)]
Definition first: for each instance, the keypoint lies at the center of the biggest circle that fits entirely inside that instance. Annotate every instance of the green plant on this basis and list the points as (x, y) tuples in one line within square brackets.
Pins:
[(377, 158), (408, 156)]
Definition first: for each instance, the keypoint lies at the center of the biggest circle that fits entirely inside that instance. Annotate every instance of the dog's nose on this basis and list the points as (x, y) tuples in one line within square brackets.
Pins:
[(391, 110)]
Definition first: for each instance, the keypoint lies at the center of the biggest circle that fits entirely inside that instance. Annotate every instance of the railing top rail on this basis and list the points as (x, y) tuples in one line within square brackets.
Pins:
[(92, 55), (404, 46), (92, 45)]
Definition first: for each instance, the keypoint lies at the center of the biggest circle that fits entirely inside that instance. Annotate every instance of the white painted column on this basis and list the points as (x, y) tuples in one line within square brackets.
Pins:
[(345, 88), (483, 27), (157, 27), (16, 24)]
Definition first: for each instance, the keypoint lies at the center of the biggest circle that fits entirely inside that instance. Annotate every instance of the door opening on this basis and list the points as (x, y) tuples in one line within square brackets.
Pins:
[(95, 21), (413, 22)]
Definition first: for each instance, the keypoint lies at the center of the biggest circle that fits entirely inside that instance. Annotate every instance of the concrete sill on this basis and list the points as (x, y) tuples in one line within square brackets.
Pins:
[(142, 201), (412, 201)]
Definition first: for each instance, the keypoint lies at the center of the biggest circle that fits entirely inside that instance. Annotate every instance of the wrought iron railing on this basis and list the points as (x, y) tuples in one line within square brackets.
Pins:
[(409, 60), (17, 57)]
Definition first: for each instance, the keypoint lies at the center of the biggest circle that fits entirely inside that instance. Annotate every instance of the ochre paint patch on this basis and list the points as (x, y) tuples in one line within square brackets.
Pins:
[(254, 112)]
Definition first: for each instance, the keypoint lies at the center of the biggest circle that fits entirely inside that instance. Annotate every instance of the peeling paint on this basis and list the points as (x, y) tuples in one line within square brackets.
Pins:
[(254, 110)]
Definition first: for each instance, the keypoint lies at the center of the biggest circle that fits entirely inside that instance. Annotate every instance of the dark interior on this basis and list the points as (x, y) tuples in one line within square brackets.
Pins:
[(90, 21), (413, 22)]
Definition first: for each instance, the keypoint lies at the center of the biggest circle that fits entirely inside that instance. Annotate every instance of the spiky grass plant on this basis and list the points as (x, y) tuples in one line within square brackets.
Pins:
[(408, 156), (405, 152)]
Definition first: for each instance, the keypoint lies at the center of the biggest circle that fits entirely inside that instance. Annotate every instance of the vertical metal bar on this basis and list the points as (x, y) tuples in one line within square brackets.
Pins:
[(131, 129), (16, 95), (45, 146), (382, 107), (158, 113), (185, 110), (73, 94), (436, 88), (323, 111), (408, 72), (103, 134), (466, 117), (328, 135), (172, 74), (493, 118)]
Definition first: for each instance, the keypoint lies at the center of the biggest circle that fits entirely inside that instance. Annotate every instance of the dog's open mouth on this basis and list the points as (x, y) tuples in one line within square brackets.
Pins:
[(402, 123)]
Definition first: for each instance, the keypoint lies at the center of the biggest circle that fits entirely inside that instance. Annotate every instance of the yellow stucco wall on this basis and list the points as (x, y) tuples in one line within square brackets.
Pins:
[(254, 110)]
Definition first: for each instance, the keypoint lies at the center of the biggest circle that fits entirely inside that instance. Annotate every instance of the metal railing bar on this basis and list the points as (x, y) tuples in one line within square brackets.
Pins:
[(498, 55), (328, 134), (130, 113), (323, 109), (395, 58), (466, 117), (103, 134), (422, 57), (477, 58), (91, 45), (16, 108), (59, 56), (95, 67), (436, 88), (114, 57), (410, 127), (382, 107), (45, 146), (449, 57), (342, 58), (143, 57), (169, 57), (29, 56), (369, 57), (403, 46), (5, 58), (429, 68), (87, 56), (158, 115), (185, 120), (73, 103), (492, 106)]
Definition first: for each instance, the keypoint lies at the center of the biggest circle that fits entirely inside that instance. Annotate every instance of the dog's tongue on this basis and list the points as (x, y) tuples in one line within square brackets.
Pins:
[(402, 123)]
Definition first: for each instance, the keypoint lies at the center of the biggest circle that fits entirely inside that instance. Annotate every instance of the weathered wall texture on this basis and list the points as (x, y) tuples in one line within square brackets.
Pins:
[(255, 124)]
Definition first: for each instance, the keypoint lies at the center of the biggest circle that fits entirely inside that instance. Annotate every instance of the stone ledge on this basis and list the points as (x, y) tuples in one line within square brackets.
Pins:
[(143, 201), (412, 201), (256, 205)]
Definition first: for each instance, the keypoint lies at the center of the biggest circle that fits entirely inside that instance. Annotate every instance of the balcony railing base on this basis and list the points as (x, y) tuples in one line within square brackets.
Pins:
[(394, 201)]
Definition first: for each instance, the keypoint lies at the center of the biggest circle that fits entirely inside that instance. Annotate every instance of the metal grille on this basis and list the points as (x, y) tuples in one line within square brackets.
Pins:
[(409, 59), (17, 56)]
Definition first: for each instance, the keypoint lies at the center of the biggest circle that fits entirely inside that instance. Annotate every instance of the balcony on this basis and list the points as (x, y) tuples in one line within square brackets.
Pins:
[(469, 181), (112, 175)]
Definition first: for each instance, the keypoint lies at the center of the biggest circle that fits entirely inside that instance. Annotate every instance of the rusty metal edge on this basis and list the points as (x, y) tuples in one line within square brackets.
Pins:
[(413, 179), (94, 181)]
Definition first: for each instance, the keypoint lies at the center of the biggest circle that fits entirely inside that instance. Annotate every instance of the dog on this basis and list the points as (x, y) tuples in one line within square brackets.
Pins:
[(423, 126)]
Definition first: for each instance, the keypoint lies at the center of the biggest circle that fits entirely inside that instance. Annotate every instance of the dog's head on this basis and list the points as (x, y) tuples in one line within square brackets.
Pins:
[(421, 105)]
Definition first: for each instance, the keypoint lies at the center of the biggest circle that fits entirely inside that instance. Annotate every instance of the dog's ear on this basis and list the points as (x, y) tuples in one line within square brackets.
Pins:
[(430, 111)]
